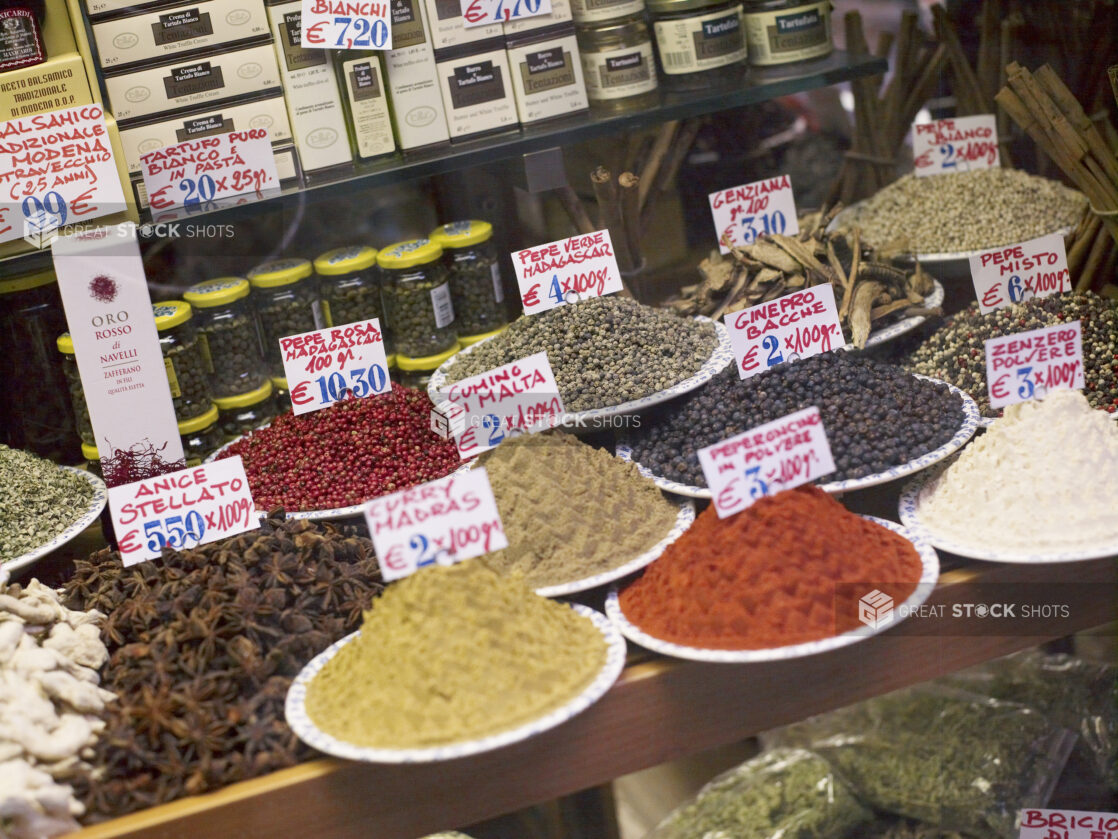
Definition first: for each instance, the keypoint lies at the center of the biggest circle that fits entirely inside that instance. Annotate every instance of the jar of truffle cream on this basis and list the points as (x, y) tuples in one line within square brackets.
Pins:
[(787, 31), (618, 64), (701, 42)]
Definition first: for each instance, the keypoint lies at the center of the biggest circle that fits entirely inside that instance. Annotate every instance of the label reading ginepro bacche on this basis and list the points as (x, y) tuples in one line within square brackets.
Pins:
[(703, 42)]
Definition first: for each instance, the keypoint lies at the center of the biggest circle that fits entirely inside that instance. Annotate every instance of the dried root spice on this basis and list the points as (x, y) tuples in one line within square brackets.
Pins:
[(451, 654), (37, 501), (770, 575), (569, 510), (204, 644)]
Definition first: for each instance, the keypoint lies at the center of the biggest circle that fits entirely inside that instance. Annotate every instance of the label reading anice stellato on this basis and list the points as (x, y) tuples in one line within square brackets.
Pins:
[(778, 455), (437, 523), (329, 365), (962, 144), (1067, 824), (1036, 268), (346, 24), (797, 325), (742, 213), (566, 271), (1027, 365)]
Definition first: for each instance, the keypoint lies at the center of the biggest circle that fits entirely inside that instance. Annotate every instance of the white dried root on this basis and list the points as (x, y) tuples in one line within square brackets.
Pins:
[(50, 706)]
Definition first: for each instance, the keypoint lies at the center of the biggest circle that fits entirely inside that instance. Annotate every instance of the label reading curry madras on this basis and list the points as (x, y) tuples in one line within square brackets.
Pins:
[(703, 42), (790, 35)]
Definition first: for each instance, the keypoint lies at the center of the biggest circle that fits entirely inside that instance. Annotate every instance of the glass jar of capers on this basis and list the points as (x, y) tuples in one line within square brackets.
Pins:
[(74, 384), (286, 303), (475, 276), (349, 285), (242, 413), (92, 459), (201, 436), (186, 358), (417, 299), (228, 326)]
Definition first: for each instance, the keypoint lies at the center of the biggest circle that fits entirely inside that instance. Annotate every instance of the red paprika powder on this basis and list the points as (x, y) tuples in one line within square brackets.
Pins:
[(767, 576)]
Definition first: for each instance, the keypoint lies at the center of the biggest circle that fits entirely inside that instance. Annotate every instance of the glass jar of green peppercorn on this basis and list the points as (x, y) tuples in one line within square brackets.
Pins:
[(417, 372), (281, 393), (475, 276), (286, 304), (228, 326), (92, 459), (201, 436), (417, 299), (349, 286), (186, 358), (242, 413), (82, 424)]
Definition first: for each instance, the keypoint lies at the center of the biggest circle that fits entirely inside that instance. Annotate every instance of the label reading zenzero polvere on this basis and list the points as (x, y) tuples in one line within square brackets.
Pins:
[(1027, 365)]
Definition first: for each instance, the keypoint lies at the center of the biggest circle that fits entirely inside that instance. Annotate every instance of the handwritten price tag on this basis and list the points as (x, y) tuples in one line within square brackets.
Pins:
[(1068, 824), (778, 455), (1037, 268), (743, 213), (964, 144), (340, 362), (182, 509), (209, 169), (440, 522), (566, 271), (346, 24), (56, 169), (797, 325), (484, 12), (1027, 365)]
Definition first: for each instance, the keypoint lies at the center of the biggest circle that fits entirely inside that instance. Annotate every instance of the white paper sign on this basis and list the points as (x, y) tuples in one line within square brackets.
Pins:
[(1004, 276), (328, 365), (743, 213), (56, 169), (1027, 365), (963, 144), (797, 325), (778, 455), (566, 271), (346, 24), (440, 522), (484, 12), (479, 412), (209, 169), (182, 509), (1068, 824)]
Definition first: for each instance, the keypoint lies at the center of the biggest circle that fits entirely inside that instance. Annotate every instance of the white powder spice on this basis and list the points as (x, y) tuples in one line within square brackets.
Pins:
[(1044, 477)]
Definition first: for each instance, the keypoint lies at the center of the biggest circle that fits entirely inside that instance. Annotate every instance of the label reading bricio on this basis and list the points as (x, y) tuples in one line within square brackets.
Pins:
[(742, 213), (1027, 365), (1004, 276), (1068, 824), (797, 325), (962, 144)]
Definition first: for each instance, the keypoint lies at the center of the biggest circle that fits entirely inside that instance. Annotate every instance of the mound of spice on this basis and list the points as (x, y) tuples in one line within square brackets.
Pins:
[(204, 644), (1040, 451), (345, 454), (603, 351), (451, 654), (569, 510), (876, 416), (955, 353), (967, 211), (771, 575), (37, 501)]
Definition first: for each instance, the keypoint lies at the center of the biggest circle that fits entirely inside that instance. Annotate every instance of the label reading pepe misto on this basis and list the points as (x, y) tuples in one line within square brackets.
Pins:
[(793, 34)]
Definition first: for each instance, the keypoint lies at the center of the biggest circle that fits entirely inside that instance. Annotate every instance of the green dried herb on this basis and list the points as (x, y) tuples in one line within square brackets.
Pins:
[(37, 501)]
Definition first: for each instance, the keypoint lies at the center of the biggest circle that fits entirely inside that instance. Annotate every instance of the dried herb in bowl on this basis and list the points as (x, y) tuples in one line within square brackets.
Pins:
[(37, 501)]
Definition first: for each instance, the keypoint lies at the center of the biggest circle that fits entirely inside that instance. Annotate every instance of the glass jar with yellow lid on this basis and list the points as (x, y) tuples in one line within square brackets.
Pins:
[(201, 436), (186, 358), (417, 300), (417, 372), (286, 303), (349, 285), (242, 413), (228, 326), (618, 64), (701, 42), (476, 290), (82, 424)]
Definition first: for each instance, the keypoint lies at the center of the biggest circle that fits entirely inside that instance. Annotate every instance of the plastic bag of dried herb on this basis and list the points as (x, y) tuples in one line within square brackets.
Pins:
[(946, 757), (1079, 695), (781, 794)]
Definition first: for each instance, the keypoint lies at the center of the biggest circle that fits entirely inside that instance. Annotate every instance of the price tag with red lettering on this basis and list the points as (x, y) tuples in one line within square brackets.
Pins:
[(485, 12), (182, 509), (346, 24), (437, 523), (210, 168), (962, 144), (1068, 824), (56, 169), (778, 455), (566, 271), (1037, 268), (479, 412), (797, 325), (328, 365), (1027, 365), (743, 213)]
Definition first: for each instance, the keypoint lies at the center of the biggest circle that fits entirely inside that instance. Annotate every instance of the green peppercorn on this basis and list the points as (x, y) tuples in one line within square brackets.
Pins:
[(475, 277), (74, 384), (417, 298), (286, 300), (185, 357), (349, 286), (228, 327)]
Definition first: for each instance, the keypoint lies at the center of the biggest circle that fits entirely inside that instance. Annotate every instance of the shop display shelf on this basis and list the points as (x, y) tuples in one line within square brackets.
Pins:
[(659, 710)]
